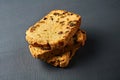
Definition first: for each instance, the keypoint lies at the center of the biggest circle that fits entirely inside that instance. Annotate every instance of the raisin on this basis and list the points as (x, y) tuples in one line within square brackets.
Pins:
[(35, 44), (33, 28), (44, 47), (51, 18), (65, 12), (72, 23), (56, 14), (62, 22), (45, 30), (67, 27), (45, 18), (60, 32)]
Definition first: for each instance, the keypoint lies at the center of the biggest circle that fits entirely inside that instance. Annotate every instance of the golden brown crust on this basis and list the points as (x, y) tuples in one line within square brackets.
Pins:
[(54, 30)]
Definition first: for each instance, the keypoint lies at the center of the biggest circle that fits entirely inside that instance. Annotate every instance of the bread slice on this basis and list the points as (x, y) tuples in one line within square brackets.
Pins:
[(63, 60), (54, 30), (78, 39)]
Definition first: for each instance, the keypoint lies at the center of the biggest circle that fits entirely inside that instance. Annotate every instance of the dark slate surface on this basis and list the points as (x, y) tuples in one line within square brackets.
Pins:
[(98, 60)]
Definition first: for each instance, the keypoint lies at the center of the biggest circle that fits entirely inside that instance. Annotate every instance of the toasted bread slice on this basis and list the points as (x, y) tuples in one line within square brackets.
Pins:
[(54, 30)]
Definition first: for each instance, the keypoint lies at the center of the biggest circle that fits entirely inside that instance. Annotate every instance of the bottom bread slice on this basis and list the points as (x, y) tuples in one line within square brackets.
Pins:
[(63, 59)]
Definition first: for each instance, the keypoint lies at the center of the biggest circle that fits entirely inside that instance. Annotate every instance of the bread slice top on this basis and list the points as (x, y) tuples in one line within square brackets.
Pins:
[(54, 30), (75, 42)]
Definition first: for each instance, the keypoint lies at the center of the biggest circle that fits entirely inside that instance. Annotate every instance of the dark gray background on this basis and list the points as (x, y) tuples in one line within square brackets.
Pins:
[(99, 59)]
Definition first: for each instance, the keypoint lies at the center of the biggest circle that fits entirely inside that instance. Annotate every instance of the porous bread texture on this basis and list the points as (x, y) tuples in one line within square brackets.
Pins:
[(54, 30)]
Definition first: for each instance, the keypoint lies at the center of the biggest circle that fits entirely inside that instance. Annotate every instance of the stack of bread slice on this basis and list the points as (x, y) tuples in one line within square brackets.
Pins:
[(56, 37)]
